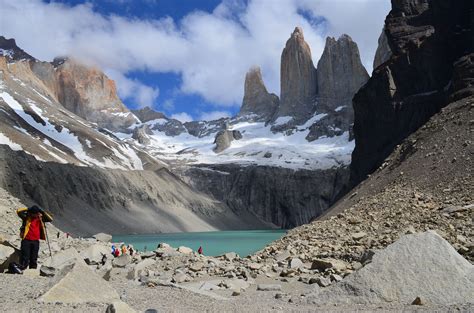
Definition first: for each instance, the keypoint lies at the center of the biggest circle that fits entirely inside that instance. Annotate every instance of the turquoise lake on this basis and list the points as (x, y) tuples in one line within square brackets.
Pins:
[(213, 243)]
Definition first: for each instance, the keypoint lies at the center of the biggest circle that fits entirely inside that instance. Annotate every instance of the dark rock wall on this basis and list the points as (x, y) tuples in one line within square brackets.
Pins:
[(426, 39), (284, 197)]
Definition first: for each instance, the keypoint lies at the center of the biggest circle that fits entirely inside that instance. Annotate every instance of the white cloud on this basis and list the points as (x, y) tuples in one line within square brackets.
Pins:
[(168, 105), (211, 51), (182, 117), (141, 94), (213, 115)]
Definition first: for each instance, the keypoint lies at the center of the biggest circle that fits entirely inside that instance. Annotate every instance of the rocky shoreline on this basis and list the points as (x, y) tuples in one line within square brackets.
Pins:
[(291, 274)]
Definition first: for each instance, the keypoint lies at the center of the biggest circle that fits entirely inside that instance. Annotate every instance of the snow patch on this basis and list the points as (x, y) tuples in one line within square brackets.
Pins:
[(4, 140), (282, 120)]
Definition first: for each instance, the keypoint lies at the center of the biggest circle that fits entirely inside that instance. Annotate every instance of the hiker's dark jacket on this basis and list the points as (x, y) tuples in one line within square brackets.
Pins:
[(26, 218)]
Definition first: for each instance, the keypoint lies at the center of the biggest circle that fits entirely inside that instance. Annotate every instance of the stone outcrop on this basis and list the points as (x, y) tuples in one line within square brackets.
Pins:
[(383, 52), (224, 138), (141, 133), (426, 39), (148, 114), (423, 266), (258, 102), (280, 196), (11, 51), (89, 93), (298, 79)]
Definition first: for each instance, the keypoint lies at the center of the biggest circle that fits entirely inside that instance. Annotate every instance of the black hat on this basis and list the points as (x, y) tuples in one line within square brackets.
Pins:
[(34, 209)]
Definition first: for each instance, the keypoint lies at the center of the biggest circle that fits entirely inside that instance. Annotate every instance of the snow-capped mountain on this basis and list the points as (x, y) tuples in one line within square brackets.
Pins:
[(282, 162)]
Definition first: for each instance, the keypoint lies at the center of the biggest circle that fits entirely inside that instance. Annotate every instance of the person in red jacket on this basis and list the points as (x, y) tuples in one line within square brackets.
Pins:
[(31, 231)]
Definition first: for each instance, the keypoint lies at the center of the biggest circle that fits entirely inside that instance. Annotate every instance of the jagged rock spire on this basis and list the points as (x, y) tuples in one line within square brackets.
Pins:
[(257, 100), (298, 78), (340, 73)]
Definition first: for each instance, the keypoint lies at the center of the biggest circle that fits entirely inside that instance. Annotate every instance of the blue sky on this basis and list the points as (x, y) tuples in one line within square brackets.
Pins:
[(187, 58)]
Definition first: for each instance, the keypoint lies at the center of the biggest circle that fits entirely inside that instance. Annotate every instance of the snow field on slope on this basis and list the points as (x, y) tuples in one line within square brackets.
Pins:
[(259, 146), (68, 139)]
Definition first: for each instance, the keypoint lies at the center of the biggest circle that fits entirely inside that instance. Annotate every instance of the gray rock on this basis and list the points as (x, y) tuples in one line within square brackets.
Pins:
[(359, 235), (224, 138), (180, 278), (282, 256), (78, 284), (323, 264), (5, 253), (207, 286), (141, 134), (196, 267), (295, 263), (419, 265), (323, 281), (229, 256), (185, 250), (122, 260), (269, 287), (146, 255), (135, 271), (95, 253), (59, 261)]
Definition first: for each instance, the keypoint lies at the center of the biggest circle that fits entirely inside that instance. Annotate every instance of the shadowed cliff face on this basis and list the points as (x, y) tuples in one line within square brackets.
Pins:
[(431, 42), (280, 196)]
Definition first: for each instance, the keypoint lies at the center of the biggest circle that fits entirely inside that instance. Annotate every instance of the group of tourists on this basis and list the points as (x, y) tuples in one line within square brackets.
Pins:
[(118, 251)]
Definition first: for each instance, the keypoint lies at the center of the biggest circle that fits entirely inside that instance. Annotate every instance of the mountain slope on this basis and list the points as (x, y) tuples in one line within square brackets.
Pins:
[(88, 200)]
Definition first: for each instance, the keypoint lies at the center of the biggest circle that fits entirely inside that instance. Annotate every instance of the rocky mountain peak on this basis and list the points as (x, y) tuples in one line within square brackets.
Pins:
[(89, 93), (147, 114), (257, 100), (11, 51), (298, 78), (340, 73)]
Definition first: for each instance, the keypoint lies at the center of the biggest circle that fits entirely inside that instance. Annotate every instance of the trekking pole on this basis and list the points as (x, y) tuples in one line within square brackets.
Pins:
[(47, 240)]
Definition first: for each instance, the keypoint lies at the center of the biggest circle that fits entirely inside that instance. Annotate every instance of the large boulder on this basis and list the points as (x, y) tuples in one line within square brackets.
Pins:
[(5, 253), (419, 265), (59, 261), (224, 138), (135, 271), (78, 284), (95, 254), (122, 260)]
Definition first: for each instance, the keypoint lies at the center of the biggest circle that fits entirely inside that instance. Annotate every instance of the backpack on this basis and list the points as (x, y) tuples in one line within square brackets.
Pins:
[(14, 268)]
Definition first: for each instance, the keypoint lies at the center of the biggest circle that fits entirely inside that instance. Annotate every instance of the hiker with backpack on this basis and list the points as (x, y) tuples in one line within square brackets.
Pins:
[(32, 230)]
